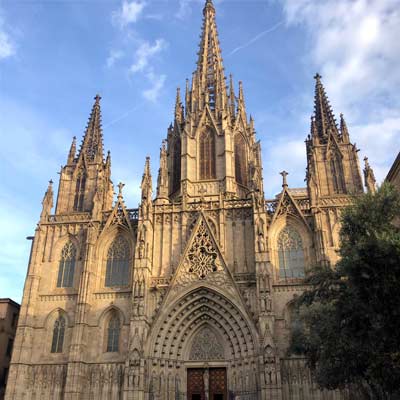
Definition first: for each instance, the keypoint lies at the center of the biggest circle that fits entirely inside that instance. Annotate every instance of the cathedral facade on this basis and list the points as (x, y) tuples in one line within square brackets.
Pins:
[(190, 295)]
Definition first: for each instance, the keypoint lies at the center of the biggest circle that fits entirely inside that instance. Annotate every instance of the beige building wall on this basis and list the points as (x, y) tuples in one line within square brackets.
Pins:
[(9, 311)]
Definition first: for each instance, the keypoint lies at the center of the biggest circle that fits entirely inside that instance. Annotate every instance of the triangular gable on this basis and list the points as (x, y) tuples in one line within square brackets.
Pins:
[(206, 113), (202, 262), (119, 216), (333, 144), (288, 205), (240, 123)]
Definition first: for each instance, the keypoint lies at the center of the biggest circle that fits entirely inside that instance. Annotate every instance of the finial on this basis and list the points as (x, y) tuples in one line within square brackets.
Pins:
[(366, 161), (317, 76), (120, 187), (97, 98), (284, 178), (51, 182)]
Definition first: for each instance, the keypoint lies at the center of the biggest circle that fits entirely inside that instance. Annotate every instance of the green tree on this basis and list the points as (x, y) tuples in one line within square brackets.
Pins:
[(349, 320)]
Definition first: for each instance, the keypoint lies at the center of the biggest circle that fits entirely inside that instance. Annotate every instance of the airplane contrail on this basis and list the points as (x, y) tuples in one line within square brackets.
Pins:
[(255, 38)]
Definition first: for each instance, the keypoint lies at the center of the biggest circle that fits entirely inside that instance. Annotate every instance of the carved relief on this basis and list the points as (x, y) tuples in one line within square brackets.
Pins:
[(206, 346)]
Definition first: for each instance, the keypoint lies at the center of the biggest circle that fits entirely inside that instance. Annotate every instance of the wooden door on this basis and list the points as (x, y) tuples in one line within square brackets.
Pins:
[(195, 384), (218, 384)]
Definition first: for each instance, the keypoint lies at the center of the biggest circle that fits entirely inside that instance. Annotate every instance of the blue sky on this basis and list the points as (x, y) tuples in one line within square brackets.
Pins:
[(55, 55)]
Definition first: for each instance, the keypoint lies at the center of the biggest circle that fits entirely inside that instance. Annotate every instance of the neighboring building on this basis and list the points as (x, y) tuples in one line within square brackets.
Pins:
[(191, 293), (394, 173), (9, 311)]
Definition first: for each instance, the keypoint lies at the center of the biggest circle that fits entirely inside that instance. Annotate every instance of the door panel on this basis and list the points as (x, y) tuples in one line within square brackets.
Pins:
[(217, 384)]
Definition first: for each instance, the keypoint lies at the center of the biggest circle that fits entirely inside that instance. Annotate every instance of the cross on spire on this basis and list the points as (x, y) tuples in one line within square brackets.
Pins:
[(120, 187), (284, 178)]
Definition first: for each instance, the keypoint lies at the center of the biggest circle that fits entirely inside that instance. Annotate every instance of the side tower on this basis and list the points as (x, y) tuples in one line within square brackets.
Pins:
[(333, 174)]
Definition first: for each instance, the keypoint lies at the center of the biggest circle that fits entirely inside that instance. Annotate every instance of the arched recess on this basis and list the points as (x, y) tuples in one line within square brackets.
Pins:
[(49, 324), (240, 159), (335, 166), (109, 315), (290, 222), (196, 309), (207, 155), (106, 240)]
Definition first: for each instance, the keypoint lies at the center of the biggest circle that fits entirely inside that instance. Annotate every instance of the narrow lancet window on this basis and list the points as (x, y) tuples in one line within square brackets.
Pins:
[(58, 335), (240, 160), (66, 267), (117, 270), (113, 332), (176, 164), (291, 254), (80, 192), (337, 173), (207, 155)]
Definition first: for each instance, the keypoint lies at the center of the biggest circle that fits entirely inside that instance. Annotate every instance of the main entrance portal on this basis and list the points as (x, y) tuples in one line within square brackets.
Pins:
[(206, 384)]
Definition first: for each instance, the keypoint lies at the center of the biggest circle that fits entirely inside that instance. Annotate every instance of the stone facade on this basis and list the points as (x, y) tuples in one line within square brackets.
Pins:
[(190, 295), (393, 175), (9, 311)]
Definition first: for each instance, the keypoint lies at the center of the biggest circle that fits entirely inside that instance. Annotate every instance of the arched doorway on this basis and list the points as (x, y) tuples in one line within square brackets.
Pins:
[(208, 342)]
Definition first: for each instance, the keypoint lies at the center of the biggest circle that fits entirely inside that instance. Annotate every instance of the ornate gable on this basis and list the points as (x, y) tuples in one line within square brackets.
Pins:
[(119, 215), (287, 205)]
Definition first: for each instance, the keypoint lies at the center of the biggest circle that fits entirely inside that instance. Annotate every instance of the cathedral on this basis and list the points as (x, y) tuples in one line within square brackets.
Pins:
[(190, 296)]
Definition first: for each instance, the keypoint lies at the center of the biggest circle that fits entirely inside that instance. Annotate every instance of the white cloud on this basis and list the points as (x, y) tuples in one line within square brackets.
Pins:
[(129, 13), (114, 56), (7, 45), (157, 82), (355, 46), (145, 52)]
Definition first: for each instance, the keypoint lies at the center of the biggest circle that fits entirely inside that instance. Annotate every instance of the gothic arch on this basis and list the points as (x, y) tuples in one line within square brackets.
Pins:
[(106, 316), (192, 311), (240, 151), (60, 243), (207, 154), (304, 232), (48, 325), (101, 251)]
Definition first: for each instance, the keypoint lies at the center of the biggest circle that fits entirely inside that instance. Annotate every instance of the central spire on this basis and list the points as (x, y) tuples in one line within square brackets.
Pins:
[(210, 71)]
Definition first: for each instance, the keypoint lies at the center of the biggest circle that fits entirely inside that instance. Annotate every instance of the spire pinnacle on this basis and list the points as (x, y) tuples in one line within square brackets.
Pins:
[(210, 71), (47, 202), (369, 177), (72, 151), (343, 129), (162, 180), (324, 118), (178, 107), (92, 145), (146, 185)]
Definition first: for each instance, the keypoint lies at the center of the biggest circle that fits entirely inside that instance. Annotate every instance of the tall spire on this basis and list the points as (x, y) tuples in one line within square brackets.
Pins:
[(210, 71), (179, 116), (47, 202), (324, 118), (92, 145)]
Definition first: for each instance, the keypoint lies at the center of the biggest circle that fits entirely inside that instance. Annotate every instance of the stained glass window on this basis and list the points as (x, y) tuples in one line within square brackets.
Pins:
[(113, 331), (117, 271), (66, 268), (291, 254), (240, 160), (207, 155), (58, 335)]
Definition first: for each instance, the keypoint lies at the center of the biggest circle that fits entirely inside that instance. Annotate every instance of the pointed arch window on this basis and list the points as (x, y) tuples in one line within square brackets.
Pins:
[(240, 160), (113, 333), (176, 165), (291, 254), (207, 155), (79, 191), (117, 270), (335, 163), (58, 335), (66, 267)]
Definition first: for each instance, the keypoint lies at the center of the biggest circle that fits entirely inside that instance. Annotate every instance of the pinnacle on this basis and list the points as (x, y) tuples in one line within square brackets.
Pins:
[(92, 145)]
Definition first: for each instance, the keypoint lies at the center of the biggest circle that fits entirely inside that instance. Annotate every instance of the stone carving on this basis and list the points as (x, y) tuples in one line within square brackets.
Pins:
[(206, 346)]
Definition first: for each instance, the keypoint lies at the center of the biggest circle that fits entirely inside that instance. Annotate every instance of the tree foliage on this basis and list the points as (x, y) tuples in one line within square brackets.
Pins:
[(349, 321)]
